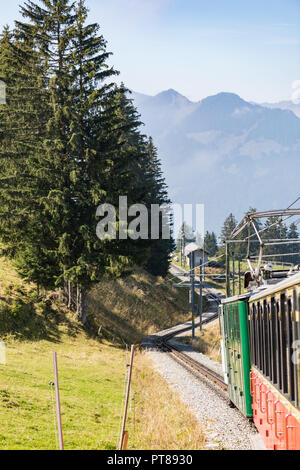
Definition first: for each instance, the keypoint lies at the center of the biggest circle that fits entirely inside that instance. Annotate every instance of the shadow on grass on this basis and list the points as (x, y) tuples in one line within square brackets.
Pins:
[(115, 329), (131, 309), (24, 319)]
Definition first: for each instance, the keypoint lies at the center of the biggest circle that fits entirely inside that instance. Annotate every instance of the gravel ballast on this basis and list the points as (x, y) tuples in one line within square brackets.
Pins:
[(225, 427)]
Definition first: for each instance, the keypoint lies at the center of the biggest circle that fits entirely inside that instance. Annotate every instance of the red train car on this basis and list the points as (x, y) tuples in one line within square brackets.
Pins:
[(274, 327), (276, 419)]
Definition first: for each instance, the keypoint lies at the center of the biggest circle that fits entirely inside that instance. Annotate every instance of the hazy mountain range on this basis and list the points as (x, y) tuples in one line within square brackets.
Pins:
[(225, 152), (285, 105)]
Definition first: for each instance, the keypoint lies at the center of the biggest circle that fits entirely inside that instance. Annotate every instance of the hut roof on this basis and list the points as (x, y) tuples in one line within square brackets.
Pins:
[(193, 247)]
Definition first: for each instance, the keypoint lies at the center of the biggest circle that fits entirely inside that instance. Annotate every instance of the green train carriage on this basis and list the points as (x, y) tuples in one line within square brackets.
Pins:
[(233, 314)]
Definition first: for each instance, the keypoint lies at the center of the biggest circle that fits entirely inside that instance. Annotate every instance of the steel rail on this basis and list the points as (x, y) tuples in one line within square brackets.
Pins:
[(185, 360), (162, 342), (195, 366)]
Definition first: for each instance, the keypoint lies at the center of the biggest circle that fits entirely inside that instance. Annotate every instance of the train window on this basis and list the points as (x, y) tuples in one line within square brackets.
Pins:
[(296, 349), (250, 330), (258, 335), (283, 343), (274, 341), (252, 334), (261, 337), (261, 345), (271, 344), (289, 351), (266, 339), (278, 345), (274, 328)]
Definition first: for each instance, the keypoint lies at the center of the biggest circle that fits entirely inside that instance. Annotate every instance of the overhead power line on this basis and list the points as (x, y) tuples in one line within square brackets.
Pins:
[(261, 214)]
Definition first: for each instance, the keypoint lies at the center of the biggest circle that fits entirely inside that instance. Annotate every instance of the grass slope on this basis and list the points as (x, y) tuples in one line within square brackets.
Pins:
[(137, 306), (208, 343), (90, 376), (91, 368), (167, 423)]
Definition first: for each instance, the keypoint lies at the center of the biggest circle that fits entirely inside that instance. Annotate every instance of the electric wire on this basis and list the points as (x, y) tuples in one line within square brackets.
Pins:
[(279, 221), (186, 273)]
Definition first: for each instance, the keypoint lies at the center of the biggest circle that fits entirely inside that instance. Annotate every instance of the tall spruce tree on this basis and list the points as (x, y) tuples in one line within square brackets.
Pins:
[(75, 56), (295, 247), (157, 193), (48, 29), (241, 249), (75, 143), (23, 224), (228, 227), (210, 243), (125, 168), (275, 229)]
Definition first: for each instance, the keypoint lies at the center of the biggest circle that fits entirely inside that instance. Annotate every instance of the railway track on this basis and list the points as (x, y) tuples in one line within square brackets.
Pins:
[(163, 343)]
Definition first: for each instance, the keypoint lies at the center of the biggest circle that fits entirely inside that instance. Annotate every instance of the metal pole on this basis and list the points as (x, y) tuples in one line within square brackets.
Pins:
[(181, 251), (123, 435), (233, 274), (192, 278), (57, 398), (227, 269), (201, 298), (240, 285), (203, 260)]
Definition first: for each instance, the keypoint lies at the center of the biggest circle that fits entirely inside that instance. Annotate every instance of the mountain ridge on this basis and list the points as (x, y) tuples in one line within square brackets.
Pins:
[(221, 146), (288, 105)]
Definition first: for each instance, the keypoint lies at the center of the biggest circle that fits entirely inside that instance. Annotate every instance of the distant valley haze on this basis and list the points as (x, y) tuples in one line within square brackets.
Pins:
[(225, 152)]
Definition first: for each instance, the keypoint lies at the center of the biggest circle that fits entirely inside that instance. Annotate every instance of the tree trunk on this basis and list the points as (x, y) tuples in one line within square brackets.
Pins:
[(84, 308), (79, 307), (65, 293), (78, 301), (69, 295)]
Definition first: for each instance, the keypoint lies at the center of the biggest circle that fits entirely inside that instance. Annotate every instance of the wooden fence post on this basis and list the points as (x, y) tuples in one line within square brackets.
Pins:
[(125, 440), (57, 399), (124, 434)]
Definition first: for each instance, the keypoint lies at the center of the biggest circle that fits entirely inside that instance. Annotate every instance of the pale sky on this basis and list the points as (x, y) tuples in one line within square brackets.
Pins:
[(200, 47)]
